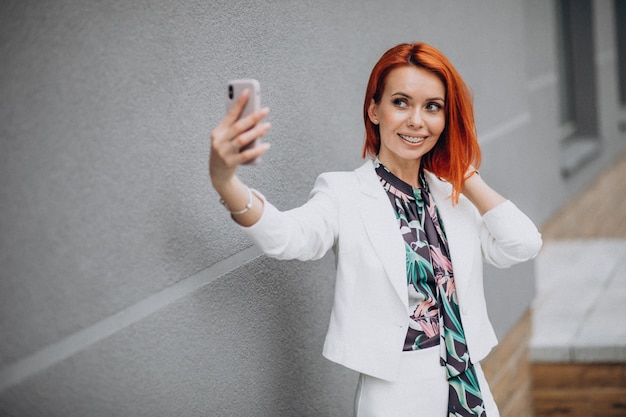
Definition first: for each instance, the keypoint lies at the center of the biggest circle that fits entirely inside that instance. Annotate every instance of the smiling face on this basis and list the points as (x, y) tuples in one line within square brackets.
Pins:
[(410, 116)]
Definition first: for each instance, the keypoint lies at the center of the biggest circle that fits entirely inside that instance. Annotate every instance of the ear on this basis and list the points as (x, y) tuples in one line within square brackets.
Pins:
[(372, 112)]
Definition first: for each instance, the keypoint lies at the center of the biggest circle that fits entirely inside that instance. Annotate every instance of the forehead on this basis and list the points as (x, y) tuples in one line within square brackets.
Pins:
[(415, 81)]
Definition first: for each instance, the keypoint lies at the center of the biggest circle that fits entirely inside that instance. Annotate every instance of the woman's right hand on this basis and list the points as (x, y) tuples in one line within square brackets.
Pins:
[(230, 136)]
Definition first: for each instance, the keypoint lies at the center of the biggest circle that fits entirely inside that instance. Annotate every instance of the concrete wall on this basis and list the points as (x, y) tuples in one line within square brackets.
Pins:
[(125, 289)]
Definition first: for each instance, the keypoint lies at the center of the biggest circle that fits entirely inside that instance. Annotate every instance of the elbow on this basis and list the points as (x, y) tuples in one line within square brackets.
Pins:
[(535, 245), (507, 254), (527, 248)]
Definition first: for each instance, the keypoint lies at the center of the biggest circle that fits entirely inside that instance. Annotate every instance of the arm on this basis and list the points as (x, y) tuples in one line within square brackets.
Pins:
[(480, 193), (305, 233), (508, 236), (226, 141)]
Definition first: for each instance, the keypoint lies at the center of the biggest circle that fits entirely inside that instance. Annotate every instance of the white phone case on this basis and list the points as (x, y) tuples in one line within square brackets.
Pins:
[(234, 91)]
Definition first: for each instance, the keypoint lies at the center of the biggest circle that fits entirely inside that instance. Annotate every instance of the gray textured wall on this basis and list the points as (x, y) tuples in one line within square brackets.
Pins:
[(124, 287)]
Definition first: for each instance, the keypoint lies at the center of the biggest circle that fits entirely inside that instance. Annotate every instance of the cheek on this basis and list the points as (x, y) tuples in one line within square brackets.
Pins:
[(439, 125), (387, 121)]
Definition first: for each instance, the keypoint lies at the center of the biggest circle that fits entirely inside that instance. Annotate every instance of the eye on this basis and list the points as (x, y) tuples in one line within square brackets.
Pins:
[(400, 102), (433, 106)]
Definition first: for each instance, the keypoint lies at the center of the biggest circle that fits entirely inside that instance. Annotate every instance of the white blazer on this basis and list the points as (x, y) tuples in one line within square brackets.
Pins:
[(350, 212)]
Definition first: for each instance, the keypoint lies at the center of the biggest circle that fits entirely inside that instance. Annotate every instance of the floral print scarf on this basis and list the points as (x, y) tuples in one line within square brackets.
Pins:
[(435, 318)]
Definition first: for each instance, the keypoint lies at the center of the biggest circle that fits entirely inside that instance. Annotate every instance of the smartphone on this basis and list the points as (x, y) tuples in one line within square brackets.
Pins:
[(234, 91)]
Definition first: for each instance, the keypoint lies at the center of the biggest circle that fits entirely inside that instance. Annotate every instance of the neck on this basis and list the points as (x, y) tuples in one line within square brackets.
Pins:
[(406, 170)]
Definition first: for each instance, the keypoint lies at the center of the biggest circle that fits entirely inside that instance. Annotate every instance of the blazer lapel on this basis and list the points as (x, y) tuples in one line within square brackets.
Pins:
[(457, 227), (382, 229)]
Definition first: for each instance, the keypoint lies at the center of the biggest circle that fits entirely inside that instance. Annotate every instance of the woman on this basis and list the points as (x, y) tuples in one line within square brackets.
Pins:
[(410, 229)]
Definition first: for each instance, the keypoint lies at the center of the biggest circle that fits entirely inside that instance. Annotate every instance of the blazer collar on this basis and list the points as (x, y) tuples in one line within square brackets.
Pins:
[(382, 229)]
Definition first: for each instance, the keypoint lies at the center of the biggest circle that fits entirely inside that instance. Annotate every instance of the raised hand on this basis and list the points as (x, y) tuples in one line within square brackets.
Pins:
[(230, 136)]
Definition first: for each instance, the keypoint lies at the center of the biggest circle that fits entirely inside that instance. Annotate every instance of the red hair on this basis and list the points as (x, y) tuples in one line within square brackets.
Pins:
[(457, 147)]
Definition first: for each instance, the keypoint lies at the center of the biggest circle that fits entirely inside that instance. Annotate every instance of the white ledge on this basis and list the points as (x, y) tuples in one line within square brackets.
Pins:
[(579, 310)]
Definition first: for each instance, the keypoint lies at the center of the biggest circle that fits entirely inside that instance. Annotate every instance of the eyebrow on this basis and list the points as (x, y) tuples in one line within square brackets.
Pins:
[(400, 93)]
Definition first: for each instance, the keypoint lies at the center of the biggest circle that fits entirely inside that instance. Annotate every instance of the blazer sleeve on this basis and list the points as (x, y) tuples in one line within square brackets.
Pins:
[(508, 236), (305, 233)]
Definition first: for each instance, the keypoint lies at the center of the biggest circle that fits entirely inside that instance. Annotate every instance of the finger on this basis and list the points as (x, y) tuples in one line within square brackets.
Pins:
[(235, 112), (246, 123), (229, 128), (250, 136), (251, 154)]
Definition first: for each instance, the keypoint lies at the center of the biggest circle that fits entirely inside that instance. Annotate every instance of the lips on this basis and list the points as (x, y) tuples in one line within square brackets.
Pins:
[(413, 139)]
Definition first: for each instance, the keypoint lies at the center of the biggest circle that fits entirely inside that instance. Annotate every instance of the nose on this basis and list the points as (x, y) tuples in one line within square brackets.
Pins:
[(415, 118)]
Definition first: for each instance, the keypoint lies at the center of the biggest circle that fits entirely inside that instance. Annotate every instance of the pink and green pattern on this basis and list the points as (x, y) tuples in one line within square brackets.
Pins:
[(435, 318)]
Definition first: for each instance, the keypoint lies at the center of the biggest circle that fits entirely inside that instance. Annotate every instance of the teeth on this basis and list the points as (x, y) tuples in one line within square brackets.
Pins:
[(412, 139)]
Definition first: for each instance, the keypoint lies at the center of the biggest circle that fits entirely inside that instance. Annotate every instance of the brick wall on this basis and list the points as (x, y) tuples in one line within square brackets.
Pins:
[(579, 389), (525, 389)]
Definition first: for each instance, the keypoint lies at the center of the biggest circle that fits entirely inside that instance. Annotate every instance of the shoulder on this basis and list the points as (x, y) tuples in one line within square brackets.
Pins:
[(343, 180)]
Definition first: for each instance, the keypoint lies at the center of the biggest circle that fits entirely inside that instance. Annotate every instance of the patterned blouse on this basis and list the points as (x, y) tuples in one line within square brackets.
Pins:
[(435, 319), (422, 268)]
